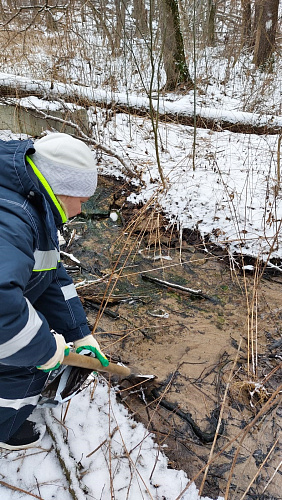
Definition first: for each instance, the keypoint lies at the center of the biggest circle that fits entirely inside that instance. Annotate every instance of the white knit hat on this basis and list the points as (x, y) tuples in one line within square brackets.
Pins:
[(67, 164)]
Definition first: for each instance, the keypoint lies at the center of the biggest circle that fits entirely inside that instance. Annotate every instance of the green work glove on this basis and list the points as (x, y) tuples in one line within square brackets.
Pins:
[(56, 360), (89, 344)]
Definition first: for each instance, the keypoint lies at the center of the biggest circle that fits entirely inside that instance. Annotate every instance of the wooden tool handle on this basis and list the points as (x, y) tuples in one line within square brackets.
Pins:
[(94, 364)]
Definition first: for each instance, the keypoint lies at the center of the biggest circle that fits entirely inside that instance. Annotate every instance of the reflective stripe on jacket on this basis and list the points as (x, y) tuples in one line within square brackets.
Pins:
[(36, 294)]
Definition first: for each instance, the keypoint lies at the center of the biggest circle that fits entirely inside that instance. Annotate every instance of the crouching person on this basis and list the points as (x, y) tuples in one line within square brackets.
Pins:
[(41, 185)]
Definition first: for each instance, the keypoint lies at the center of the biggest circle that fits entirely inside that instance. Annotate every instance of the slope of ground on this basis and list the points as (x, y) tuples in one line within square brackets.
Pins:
[(191, 343)]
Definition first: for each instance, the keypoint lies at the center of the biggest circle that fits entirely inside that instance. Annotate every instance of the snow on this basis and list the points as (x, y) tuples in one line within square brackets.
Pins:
[(130, 462), (183, 105), (230, 193), (80, 460)]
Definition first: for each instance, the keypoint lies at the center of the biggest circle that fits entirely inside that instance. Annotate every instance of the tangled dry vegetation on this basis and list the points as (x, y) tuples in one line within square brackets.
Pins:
[(217, 401), (209, 330)]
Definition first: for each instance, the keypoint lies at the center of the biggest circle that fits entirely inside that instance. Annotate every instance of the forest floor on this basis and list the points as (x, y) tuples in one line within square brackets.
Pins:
[(194, 344)]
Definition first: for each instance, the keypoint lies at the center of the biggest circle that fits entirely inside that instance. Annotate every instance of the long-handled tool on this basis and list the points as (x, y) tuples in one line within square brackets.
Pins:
[(94, 364), (69, 380)]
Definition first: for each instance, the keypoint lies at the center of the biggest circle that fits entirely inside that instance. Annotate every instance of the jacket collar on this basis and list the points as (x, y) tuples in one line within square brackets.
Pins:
[(45, 188)]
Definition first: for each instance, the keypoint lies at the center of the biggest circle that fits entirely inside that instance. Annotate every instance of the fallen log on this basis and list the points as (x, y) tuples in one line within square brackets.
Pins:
[(174, 287), (179, 111)]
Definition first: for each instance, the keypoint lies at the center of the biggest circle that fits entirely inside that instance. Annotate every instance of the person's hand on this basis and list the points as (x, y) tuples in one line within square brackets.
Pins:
[(56, 360), (87, 344)]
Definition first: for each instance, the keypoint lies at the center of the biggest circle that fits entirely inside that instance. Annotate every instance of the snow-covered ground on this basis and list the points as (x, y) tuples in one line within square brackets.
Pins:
[(126, 465), (231, 191), (98, 452), (232, 194)]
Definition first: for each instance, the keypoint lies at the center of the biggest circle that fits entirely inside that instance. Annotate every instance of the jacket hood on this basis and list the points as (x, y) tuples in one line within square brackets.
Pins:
[(18, 176), (13, 172)]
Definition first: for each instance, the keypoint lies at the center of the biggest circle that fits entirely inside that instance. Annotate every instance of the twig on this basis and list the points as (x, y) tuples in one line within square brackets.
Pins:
[(259, 470), (220, 416), (268, 482), (14, 488), (131, 463), (267, 406), (177, 288), (81, 135), (263, 410), (43, 450), (106, 310), (73, 259), (59, 446), (103, 442), (205, 437)]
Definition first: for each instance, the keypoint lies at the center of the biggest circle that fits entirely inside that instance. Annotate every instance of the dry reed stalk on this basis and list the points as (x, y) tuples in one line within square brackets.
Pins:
[(273, 475), (95, 383), (66, 411), (252, 321), (164, 267), (259, 469), (220, 416), (267, 406), (115, 275), (248, 322), (14, 488), (244, 432)]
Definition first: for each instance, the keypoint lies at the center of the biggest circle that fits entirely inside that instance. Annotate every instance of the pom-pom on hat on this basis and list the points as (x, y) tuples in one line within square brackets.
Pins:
[(67, 164)]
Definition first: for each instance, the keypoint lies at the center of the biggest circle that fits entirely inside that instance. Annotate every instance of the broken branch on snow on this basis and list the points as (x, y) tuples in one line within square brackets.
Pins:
[(174, 287)]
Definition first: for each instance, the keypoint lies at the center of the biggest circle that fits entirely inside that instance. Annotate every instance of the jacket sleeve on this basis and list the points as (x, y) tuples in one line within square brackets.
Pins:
[(62, 307), (25, 337)]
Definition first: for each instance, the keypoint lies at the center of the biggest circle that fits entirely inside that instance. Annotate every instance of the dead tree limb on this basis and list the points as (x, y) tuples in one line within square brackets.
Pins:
[(211, 118), (174, 287), (126, 170)]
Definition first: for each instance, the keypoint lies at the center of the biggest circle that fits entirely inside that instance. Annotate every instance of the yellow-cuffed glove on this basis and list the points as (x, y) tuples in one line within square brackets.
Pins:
[(56, 360), (89, 344)]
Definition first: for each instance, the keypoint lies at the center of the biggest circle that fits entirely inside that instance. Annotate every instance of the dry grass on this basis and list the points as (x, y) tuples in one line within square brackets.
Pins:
[(53, 56)]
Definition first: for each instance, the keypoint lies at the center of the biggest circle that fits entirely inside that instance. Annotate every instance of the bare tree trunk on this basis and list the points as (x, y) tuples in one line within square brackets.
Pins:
[(140, 15), (50, 21), (120, 22), (247, 23), (173, 49), (211, 22), (98, 16), (266, 18)]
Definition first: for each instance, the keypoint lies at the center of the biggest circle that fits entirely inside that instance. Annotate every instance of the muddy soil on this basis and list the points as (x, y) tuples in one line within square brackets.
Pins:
[(196, 344)]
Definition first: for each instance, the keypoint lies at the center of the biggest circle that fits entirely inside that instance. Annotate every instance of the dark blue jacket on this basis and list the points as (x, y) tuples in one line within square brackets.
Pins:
[(36, 294)]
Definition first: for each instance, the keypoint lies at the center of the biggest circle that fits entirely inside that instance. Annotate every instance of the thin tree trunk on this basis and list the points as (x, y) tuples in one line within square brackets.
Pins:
[(266, 18), (140, 14), (173, 49), (247, 23), (98, 16), (120, 22), (211, 22)]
